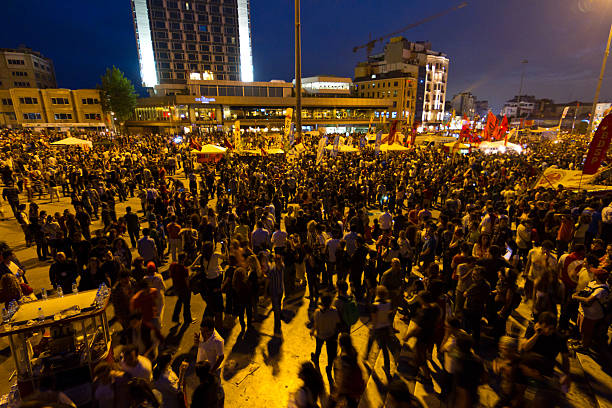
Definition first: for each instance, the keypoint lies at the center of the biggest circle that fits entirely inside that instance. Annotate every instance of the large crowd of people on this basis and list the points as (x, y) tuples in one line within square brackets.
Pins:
[(452, 244)]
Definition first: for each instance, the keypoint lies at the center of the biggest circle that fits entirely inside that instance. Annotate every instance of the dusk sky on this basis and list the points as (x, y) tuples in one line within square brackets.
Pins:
[(563, 40)]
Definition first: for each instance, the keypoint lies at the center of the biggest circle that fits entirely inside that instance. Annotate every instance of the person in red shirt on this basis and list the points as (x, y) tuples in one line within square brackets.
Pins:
[(569, 265), (147, 302), (180, 282), (174, 239)]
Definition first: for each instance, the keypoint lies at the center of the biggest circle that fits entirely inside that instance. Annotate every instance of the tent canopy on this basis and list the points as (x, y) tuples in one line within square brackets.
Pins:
[(73, 141), (343, 148), (395, 147), (451, 145), (276, 151), (211, 149)]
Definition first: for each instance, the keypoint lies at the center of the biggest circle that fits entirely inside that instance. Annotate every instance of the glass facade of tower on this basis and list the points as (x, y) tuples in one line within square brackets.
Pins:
[(177, 38)]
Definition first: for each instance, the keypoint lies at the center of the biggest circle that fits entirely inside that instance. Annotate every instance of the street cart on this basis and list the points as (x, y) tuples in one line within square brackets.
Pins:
[(58, 341)]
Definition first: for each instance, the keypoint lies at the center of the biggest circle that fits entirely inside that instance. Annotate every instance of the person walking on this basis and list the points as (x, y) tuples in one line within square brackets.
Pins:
[(325, 330)]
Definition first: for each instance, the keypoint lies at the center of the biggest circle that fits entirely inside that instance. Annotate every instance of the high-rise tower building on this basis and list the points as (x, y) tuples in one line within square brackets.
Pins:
[(181, 39)]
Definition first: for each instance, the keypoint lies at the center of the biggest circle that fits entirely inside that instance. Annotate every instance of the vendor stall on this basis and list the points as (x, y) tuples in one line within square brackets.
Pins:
[(59, 341)]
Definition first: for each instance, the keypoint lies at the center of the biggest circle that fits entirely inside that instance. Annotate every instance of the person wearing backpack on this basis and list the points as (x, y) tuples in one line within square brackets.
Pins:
[(590, 309), (350, 384), (346, 306)]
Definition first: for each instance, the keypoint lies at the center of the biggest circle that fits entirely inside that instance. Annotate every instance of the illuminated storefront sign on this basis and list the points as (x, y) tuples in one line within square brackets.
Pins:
[(204, 99)]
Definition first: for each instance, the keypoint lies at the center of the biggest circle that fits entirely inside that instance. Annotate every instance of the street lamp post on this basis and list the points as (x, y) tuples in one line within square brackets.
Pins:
[(298, 72), (601, 74)]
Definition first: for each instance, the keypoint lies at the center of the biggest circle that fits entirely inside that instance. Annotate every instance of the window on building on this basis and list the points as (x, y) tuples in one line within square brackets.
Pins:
[(190, 37), (215, 19), (217, 39), (162, 45), (192, 57), (179, 65), (194, 67), (191, 47), (92, 116), (395, 106), (161, 34), (158, 14), (28, 101), (172, 4), (179, 56), (90, 101), (230, 20), (177, 46), (204, 48), (205, 57), (208, 90), (7, 101), (218, 58), (32, 116), (205, 37), (394, 93), (230, 30), (180, 75), (275, 92), (60, 101), (395, 83), (203, 28), (19, 73), (164, 65), (15, 62), (188, 17)]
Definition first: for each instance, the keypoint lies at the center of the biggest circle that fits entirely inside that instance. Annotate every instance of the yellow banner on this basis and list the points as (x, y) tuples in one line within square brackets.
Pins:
[(288, 119), (237, 136)]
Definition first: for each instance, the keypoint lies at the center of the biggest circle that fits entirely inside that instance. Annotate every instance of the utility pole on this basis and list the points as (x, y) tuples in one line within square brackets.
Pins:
[(601, 74), (298, 72), (518, 104)]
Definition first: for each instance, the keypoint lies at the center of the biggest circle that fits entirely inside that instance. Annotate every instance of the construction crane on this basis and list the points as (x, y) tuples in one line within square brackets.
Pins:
[(369, 46)]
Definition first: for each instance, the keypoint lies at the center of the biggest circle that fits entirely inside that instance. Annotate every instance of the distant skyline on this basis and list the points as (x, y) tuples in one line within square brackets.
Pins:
[(563, 40)]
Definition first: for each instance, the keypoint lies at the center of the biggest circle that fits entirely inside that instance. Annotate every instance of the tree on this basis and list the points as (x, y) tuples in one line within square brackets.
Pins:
[(118, 94)]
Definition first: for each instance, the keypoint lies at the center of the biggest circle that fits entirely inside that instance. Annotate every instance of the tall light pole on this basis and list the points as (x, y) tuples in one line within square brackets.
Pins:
[(518, 103), (298, 73), (601, 74)]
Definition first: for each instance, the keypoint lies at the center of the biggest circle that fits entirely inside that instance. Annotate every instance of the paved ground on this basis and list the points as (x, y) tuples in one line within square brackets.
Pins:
[(261, 371)]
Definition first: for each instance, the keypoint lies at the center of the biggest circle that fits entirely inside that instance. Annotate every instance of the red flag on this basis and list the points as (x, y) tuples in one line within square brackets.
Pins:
[(501, 129), (465, 132), (392, 131), (195, 145), (598, 146), (490, 126), (227, 143)]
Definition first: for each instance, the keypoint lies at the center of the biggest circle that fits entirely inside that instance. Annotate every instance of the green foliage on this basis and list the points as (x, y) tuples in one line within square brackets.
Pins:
[(118, 94)]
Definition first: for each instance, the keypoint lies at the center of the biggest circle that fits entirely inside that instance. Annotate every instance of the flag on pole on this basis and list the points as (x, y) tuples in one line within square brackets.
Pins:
[(362, 142), (598, 148), (563, 117), (371, 120), (321, 149), (288, 118), (490, 126), (336, 145), (501, 130), (392, 132), (378, 142), (465, 132)]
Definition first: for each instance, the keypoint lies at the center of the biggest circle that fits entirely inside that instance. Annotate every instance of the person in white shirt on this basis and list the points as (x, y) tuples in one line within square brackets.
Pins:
[(210, 346), (279, 240), (590, 309), (539, 260), (136, 365), (606, 223), (386, 221)]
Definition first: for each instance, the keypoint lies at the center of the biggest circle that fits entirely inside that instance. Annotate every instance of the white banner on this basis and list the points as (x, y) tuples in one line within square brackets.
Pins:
[(321, 149)]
